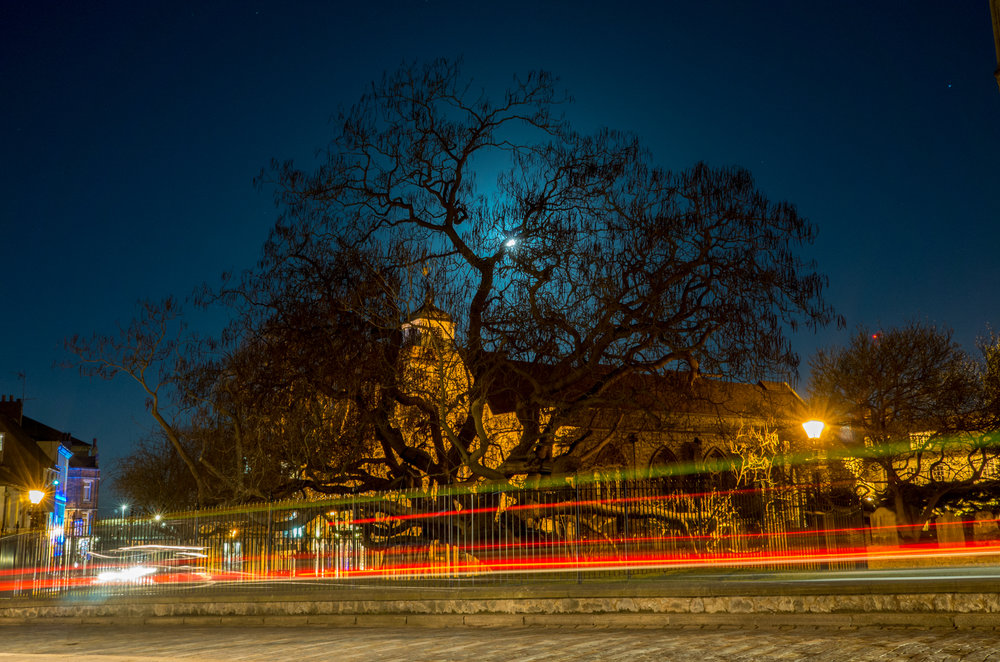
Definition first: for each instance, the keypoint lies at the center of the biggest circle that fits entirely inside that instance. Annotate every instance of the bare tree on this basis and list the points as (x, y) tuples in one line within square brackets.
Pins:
[(914, 400), (758, 460), (192, 393), (153, 478), (243, 425), (147, 351), (569, 264), (560, 278), (267, 430), (989, 347)]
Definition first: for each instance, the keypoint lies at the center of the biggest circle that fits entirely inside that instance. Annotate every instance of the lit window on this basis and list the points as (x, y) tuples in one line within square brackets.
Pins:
[(939, 472), (87, 489), (919, 440)]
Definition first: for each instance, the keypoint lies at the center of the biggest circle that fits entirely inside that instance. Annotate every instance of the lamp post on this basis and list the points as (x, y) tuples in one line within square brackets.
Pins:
[(123, 508), (38, 548), (35, 497), (814, 429)]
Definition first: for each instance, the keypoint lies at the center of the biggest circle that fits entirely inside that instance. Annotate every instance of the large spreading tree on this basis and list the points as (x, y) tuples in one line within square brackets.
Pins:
[(570, 264)]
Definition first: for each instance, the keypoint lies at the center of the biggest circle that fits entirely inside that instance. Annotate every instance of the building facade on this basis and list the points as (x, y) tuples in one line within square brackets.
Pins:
[(657, 420), (37, 457)]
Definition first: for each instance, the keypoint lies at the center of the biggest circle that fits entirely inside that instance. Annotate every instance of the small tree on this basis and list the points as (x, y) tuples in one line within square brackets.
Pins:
[(153, 478), (989, 347), (757, 453), (913, 398)]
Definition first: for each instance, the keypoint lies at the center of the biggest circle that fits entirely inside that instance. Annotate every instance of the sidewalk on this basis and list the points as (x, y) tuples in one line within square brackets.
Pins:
[(50, 643)]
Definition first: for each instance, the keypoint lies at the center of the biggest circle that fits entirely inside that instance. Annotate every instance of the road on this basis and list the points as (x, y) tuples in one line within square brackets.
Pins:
[(57, 643)]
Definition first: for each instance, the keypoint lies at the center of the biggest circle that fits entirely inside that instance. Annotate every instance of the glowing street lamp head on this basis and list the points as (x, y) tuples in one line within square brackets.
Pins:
[(813, 428), (511, 243), (36, 496)]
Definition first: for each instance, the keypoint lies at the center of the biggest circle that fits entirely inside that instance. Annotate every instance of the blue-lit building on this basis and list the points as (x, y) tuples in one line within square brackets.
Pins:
[(40, 457)]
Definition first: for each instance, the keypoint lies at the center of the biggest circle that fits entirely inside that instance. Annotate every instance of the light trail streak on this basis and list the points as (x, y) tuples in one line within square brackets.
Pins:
[(540, 553), (556, 563), (549, 535), (564, 505)]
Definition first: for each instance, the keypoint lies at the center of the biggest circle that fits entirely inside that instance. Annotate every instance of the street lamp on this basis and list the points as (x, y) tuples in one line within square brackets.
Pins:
[(813, 428), (36, 497), (124, 527)]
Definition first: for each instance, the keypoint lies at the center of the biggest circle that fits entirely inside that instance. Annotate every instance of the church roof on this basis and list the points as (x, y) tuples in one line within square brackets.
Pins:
[(666, 392), (429, 311)]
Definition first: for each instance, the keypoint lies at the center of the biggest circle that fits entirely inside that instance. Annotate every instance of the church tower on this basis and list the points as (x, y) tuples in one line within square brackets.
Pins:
[(431, 327)]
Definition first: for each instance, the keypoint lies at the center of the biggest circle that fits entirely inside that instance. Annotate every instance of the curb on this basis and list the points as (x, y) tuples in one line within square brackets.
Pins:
[(595, 621), (615, 609)]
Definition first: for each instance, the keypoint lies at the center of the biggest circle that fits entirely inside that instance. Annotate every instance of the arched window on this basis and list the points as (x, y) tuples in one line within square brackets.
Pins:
[(664, 470), (608, 467), (719, 471)]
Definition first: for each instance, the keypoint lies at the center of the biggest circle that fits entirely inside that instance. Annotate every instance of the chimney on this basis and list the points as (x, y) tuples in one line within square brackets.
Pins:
[(12, 408)]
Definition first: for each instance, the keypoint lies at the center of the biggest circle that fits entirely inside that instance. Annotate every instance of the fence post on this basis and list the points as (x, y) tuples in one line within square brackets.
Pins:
[(268, 544), (576, 529), (625, 546)]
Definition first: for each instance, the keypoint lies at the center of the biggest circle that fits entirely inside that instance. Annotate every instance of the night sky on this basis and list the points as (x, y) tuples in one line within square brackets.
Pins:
[(131, 132)]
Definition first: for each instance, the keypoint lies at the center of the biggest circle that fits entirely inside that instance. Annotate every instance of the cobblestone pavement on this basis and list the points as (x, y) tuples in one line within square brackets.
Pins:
[(49, 643)]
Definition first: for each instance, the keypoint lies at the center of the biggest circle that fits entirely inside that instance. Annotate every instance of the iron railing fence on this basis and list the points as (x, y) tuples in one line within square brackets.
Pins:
[(579, 530)]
